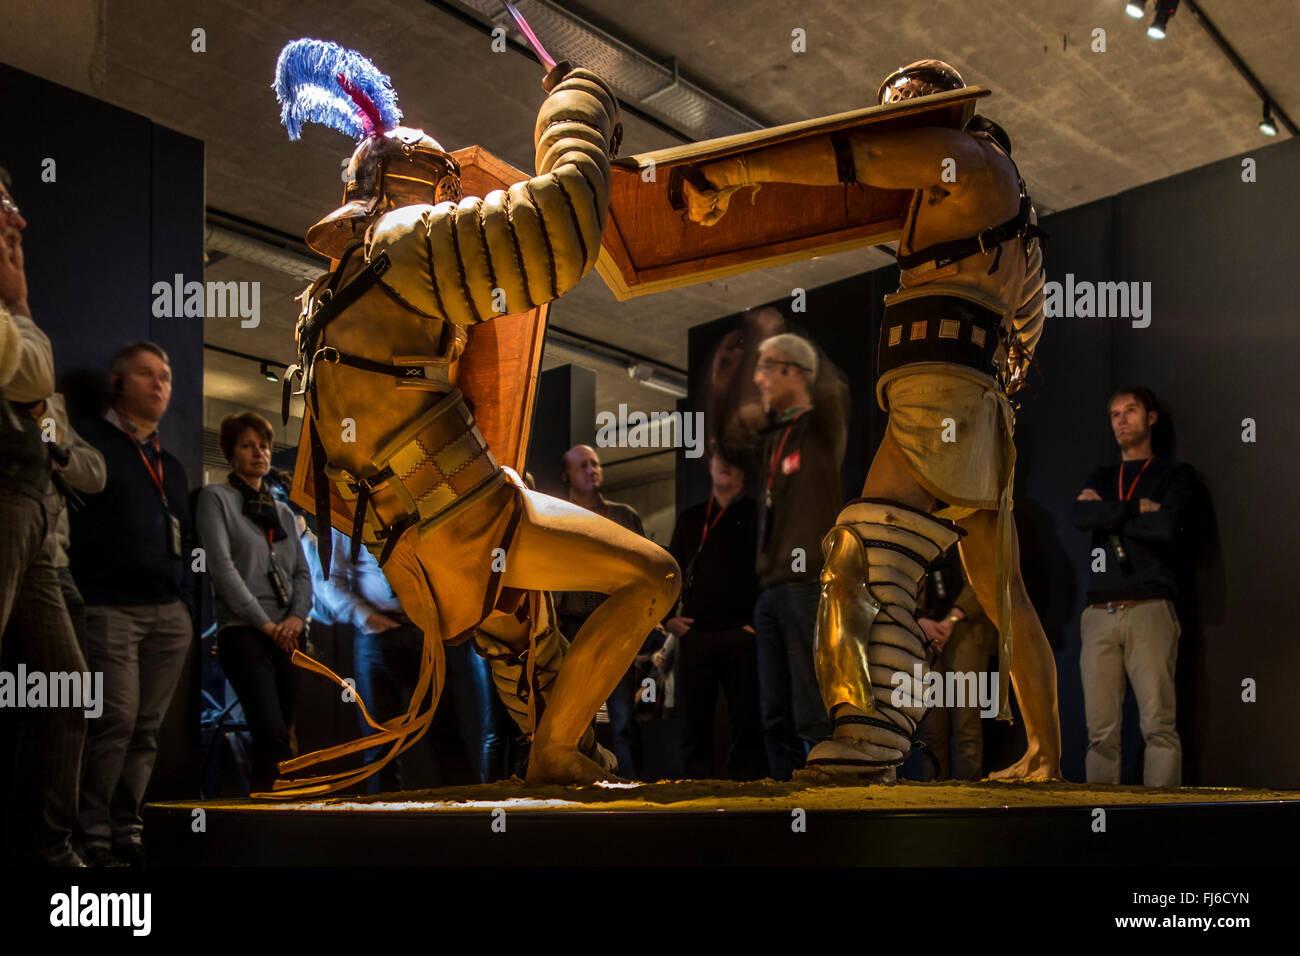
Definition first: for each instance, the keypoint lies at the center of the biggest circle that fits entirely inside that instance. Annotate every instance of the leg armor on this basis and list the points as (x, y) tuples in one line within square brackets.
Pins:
[(867, 640), (523, 677)]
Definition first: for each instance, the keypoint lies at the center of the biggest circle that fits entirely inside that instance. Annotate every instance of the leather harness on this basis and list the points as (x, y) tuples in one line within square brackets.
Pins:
[(332, 303)]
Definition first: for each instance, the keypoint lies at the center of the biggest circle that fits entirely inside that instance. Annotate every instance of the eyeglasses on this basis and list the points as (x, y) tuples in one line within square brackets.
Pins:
[(8, 206), (767, 365)]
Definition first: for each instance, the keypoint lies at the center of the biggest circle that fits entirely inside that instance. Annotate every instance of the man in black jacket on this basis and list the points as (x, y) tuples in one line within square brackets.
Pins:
[(131, 558), (1140, 513), (714, 544)]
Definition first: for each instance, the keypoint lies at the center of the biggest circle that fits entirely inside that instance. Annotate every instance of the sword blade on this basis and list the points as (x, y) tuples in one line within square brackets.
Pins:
[(547, 60)]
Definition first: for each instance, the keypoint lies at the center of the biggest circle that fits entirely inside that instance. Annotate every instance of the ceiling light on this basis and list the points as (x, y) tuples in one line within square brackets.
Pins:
[(1136, 9), (1266, 125), (267, 373), (1164, 10)]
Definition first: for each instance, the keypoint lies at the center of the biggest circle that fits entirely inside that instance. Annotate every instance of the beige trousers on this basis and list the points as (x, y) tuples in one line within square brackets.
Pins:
[(1140, 641)]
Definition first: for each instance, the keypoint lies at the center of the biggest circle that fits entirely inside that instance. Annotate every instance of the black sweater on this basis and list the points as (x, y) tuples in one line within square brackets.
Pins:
[(806, 494), (1157, 543), (120, 553), (719, 590)]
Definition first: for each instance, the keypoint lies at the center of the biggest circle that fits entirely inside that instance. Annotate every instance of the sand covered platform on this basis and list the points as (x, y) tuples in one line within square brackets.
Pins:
[(711, 822)]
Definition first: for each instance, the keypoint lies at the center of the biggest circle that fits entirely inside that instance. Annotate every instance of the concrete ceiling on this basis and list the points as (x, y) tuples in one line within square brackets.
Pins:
[(1086, 124)]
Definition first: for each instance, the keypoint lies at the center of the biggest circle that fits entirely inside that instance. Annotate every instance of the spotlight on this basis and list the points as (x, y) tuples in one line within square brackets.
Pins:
[(1164, 10), (1266, 125), (267, 373), (1136, 9)]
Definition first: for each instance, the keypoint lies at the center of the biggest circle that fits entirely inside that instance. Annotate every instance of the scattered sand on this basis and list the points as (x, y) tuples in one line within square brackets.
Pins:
[(722, 795)]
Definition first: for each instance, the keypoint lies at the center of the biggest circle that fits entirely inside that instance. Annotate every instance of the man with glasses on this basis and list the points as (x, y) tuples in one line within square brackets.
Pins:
[(798, 497), (32, 609)]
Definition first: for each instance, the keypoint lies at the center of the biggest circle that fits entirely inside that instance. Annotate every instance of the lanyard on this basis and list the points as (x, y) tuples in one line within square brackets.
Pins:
[(708, 526), (156, 476), (1119, 480), (771, 465)]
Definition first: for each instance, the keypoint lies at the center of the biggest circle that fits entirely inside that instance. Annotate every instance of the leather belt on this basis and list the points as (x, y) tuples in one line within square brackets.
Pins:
[(1110, 607)]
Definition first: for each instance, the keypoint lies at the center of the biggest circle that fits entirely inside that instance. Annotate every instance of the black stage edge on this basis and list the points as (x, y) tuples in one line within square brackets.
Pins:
[(1219, 833)]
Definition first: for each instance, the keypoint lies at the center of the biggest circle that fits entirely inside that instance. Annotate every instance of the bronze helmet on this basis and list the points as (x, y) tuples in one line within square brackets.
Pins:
[(398, 168), (921, 78)]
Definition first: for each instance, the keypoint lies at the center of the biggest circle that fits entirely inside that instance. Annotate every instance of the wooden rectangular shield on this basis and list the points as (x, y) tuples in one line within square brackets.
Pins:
[(497, 372), (650, 246)]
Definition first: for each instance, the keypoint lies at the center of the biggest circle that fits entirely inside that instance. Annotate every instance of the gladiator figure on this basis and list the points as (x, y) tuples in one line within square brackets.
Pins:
[(956, 340), (467, 548)]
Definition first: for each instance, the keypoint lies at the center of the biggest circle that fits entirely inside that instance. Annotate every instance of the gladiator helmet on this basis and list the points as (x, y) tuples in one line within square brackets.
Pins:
[(392, 166), (921, 78)]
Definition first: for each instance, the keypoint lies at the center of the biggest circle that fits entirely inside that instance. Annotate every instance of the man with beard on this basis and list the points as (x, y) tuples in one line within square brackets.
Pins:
[(1139, 513)]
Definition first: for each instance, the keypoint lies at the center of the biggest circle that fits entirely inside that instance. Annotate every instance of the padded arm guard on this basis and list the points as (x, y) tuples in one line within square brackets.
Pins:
[(533, 241)]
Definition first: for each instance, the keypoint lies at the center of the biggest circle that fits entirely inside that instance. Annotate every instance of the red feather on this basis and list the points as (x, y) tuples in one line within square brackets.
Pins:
[(370, 118)]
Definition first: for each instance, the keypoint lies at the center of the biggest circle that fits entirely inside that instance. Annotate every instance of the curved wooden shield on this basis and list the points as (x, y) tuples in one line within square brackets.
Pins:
[(650, 246)]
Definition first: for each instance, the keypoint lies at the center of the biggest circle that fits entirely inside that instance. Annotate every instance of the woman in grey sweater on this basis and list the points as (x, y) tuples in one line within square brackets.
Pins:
[(262, 589)]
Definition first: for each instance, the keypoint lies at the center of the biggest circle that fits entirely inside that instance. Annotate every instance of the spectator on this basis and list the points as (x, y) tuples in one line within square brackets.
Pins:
[(964, 638), (802, 453), (583, 474), (1141, 513), (131, 559), (714, 544), (32, 609), (262, 589), (386, 652)]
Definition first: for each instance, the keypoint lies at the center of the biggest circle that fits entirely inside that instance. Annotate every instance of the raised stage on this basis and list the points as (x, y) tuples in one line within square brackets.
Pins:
[(710, 823)]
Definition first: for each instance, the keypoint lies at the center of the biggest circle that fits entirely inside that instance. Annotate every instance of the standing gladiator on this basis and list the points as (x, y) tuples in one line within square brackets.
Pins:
[(467, 548), (956, 339)]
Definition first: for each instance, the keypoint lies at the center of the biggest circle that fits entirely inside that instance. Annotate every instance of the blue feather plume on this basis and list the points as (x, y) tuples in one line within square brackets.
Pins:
[(308, 88)]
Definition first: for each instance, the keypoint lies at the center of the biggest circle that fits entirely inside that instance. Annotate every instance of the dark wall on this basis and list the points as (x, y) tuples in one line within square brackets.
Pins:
[(1223, 345), (124, 211), (564, 415)]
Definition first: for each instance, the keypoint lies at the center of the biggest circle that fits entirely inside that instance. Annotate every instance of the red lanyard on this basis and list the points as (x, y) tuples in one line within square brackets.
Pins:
[(156, 476), (708, 526), (1119, 481), (771, 465)]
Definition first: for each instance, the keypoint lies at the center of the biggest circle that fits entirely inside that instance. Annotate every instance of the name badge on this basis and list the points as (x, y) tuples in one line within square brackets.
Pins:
[(174, 536)]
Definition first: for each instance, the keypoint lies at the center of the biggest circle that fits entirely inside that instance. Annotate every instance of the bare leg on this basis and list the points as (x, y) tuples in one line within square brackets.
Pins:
[(567, 548), (890, 479), (1033, 668)]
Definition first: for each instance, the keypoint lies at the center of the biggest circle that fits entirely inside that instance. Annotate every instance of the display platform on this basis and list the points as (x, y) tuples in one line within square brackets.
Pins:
[(710, 823)]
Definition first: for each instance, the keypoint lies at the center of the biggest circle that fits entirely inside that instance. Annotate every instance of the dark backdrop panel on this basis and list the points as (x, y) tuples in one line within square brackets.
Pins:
[(1222, 346), (125, 210)]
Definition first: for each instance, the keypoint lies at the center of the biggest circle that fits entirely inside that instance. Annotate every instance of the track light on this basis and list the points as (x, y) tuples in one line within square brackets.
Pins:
[(1266, 125), (267, 373), (1136, 9), (1164, 10)]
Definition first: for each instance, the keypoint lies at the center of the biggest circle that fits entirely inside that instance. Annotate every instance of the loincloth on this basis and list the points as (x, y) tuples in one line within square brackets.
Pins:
[(969, 471)]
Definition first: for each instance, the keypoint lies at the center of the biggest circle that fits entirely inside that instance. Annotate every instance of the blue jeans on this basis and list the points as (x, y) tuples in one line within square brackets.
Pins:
[(790, 701), (387, 664)]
